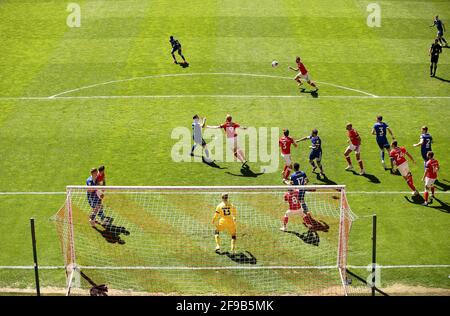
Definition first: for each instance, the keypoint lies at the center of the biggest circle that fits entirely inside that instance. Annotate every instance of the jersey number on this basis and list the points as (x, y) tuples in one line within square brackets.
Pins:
[(380, 131)]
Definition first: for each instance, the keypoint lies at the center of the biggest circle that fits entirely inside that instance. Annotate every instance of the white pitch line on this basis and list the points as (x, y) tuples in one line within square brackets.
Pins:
[(230, 96), (347, 192), (413, 266), (202, 74)]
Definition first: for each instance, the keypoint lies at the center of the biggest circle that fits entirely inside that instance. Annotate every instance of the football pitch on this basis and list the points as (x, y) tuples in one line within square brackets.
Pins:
[(107, 92)]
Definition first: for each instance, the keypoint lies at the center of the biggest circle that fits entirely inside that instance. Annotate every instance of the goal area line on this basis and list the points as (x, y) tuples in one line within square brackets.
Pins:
[(347, 192), (418, 266)]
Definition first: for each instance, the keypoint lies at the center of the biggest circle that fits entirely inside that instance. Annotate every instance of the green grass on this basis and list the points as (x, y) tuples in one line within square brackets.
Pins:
[(47, 144)]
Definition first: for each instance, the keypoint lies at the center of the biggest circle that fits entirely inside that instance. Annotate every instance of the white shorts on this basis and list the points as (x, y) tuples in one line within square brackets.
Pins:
[(287, 159), (294, 212), (429, 182), (404, 169), (305, 77), (232, 143), (355, 148)]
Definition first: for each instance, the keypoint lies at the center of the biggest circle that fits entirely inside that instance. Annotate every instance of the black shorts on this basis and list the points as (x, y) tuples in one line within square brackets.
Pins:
[(434, 58), (176, 49)]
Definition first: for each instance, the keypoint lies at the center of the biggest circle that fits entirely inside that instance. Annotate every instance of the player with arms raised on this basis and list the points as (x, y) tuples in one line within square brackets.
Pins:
[(285, 143), (315, 156), (232, 138), (429, 176), (355, 145), (379, 129), (302, 74), (398, 155), (225, 220)]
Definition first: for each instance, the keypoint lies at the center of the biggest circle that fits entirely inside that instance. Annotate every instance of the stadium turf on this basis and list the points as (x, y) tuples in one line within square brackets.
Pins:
[(118, 96)]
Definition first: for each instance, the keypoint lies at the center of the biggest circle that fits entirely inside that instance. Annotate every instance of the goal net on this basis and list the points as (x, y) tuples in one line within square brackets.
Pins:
[(161, 240)]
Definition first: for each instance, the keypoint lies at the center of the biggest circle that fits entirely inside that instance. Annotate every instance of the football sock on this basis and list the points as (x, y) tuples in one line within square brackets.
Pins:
[(382, 155), (287, 172), (425, 195), (217, 239), (411, 183), (233, 245), (349, 161), (312, 163), (207, 153), (101, 214), (434, 71), (360, 162), (193, 148), (285, 220)]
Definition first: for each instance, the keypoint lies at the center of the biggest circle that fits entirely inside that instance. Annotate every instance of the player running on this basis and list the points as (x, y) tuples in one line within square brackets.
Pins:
[(176, 47), (197, 127), (315, 156), (232, 140), (285, 143), (440, 29), (379, 129), (398, 156), (94, 198), (226, 216), (355, 145), (424, 143), (302, 74), (429, 176), (434, 52)]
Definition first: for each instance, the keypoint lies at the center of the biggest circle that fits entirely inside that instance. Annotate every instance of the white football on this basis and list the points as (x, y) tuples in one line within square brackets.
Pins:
[(274, 63)]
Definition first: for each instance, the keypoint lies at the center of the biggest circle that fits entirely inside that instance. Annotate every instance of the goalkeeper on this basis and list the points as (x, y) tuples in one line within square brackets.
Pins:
[(225, 220)]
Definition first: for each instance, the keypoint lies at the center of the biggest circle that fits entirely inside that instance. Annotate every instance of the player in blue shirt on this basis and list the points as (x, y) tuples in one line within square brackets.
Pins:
[(440, 30), (424, 143), (379, 129), (94, 198), (315, 155), (176, 47), (299, 178)]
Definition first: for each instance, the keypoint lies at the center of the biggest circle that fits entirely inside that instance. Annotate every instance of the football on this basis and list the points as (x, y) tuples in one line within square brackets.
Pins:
[(274, 63)]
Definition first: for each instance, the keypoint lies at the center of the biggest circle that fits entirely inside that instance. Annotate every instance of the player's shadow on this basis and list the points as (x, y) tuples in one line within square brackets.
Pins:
[(372, 178), (310, 237), (246, 172), (184, 64), (241, 257), (325, 179), (415, 199), (441, 186), (111, 233), (444, 207), (442, 79), (313, 93), (212, 164)]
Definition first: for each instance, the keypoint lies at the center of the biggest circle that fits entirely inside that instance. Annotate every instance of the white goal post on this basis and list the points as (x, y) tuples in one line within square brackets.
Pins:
[(161, 239)]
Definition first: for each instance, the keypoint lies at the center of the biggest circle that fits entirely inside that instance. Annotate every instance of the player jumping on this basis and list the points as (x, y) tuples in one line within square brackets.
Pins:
[(197, 127), (302, 74), (315, 156), (379, 129), (285, 143), (440, 30), (176, 47), (232, 138), (295, 198), (226, 214), (398, 156), (434, 52), (355, 145), (429, 176)]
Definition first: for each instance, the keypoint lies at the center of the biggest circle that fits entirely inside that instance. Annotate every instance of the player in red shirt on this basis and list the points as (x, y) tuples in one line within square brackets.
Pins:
[(398, 156), (285, 143), (302, 74), (232, 140), (429, 176), (355, 145), (295, 207)]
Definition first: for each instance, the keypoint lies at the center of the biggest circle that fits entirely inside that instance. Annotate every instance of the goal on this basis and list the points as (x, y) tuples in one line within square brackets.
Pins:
[(160, 240)]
